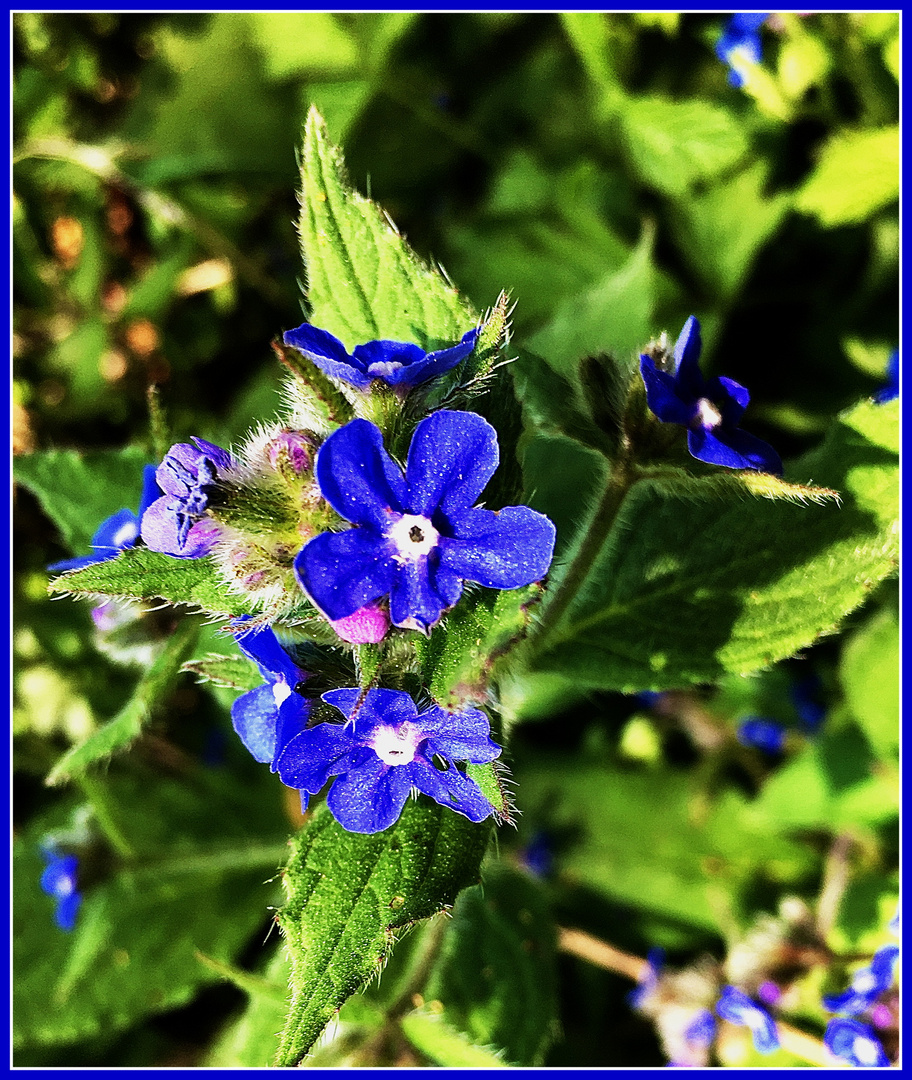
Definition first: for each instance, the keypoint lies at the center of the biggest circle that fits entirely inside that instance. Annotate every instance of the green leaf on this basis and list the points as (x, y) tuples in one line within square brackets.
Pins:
[(457, 660), (141, 574), (251, 1040), (858, 173), (233, 672), (672, 145), (78, 491), (118, 733), (500, 949), (870, 677), (683, 591), (438, 1040), (303, 43), (363, 280), (350, 895)]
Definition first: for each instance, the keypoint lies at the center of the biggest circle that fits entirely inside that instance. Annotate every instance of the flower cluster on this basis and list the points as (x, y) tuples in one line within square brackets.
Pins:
[(866, 1010)]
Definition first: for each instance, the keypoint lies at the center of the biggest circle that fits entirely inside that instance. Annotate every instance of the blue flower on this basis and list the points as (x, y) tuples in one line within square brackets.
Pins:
[(396, 363), (855, 1043), (739, 44), (867, 984), (737, 1008), (537, 856), (709, 408), (765, 734), (805, 694), (385, 751), (649, 977), (175, 524), (702, 1029), (256, 714), (116, 533), (417, 535), (59, 879), (890, 390)]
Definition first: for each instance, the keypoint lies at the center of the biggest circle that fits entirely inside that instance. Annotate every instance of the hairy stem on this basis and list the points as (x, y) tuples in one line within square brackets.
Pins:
[(100, 801)]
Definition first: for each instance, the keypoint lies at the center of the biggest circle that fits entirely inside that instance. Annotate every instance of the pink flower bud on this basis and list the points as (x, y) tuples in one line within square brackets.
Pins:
[(364, 627), (291, 451)]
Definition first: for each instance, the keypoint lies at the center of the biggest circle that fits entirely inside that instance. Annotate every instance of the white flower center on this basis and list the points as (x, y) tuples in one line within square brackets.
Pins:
[(863, 982), (413, 537), (396, 745), (865, 1050), (126, 534), (383, 367), (708, 416), (281, 691)]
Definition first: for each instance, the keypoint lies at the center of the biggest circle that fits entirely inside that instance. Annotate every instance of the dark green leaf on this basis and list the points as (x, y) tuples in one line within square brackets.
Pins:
[(870, 678)]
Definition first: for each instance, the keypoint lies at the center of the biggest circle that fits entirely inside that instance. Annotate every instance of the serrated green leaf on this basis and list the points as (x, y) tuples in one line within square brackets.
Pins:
[(118, 733), (141, 574), (683, 592), (350, 895), (457, 660), (233, 672), (674, 144), (363, 280), (433, 1036), (499, 950), (870, 677), (858, 173), (78, 491)]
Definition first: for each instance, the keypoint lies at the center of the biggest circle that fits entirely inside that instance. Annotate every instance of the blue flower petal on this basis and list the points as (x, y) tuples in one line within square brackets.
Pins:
[(328, 353), (734, 449), (765, 734), (162, 531), (414, 603), (377, 707), (737, 1008), (452, 457), (370, 799), (662, 395), (687, 358), (729, 396), (854, 1042), (342, 572), (503, 550), (452, 789), (311, 756), (67, 910), (119, 531), (150, 489), (220, 458), (265, 650), (59, 876), (464, 736), (434, 364), (393, 358), (358, 478), (254, 716)]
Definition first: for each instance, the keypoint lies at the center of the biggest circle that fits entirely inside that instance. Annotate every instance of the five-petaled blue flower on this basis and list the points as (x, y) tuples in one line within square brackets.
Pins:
[(116, 533), (739, 44), (175, 524), (890, 390), (59, 879), (399, 364), (768, 735), (709, 408), (737, 1008), (256, 714), (385, 751), (417, 536), (867, 984), (855, 1043)]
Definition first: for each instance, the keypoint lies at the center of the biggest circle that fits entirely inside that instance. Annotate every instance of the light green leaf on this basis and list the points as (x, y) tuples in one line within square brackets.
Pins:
[(233, 672), (674, 144), (363, 280), (118, 733), (870, 677), (141, 574), (350, 895), (250, 1041), (303, 43), (433, 1036), (684, 591), (78, 491), (499, 950), (858, 173)]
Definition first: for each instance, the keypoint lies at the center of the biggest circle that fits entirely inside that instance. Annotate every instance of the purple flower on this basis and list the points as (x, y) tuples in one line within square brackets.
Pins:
[(255, 715), (867, 984), (385, 751), (855, 1043), (739, 44), (175, 524), (890, 390), (396, 363), (59, 879), (710, 409), (417, 536), (116, 533), (737, 1008), (762, 733)]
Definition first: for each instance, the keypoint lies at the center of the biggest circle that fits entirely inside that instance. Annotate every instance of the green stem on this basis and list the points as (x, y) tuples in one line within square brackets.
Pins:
[(102, 806)]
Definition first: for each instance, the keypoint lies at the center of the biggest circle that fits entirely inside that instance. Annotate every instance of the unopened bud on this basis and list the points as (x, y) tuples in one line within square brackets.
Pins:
[(364, 627), (291, 453)]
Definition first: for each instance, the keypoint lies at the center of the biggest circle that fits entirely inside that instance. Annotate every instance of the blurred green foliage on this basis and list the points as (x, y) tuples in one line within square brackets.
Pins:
[(602, 170)]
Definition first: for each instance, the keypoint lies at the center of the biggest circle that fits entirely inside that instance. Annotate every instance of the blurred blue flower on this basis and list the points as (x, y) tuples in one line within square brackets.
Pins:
[(710, 409), (737, 1008), (806, 697), (868, 983), (384, 752), (116, 533), (396, 363), (762, 733), (256, 714), (740, 44), (890, 390), (537, 856), (175, 524), (649, 977), (59, 879), (702, 1029), (417, 536), (855, 1043)]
